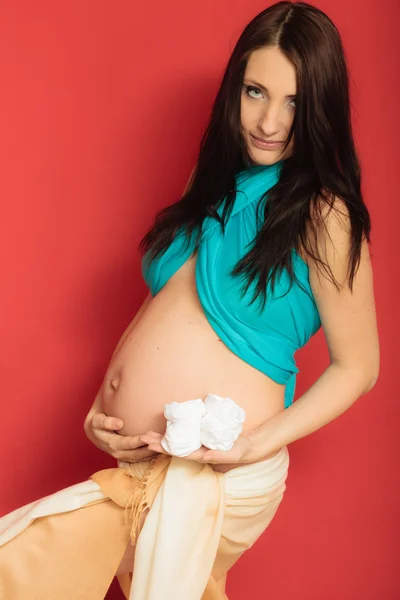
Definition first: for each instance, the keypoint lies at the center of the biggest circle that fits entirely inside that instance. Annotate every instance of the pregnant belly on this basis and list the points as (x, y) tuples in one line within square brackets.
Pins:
[(172, 354)]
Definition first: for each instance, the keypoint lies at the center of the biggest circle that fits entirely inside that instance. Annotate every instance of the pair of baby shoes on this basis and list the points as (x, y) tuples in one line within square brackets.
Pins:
[(215, 423)]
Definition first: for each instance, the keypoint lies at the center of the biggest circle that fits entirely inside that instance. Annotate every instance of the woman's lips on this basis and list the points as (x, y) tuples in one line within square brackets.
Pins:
[(265, 145)]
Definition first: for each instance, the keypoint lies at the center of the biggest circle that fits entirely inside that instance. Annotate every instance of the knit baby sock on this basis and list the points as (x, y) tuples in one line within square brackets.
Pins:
[(222, 423), (183, 433)]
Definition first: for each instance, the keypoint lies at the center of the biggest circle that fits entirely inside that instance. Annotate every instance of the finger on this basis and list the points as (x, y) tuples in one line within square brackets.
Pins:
[(121, 443), (197, 455), (152, 438), (102, 421), (158, 448), (214, 457), (226, 456)]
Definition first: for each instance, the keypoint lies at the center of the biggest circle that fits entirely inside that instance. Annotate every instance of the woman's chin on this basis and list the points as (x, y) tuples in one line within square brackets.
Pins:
[(265, 157)]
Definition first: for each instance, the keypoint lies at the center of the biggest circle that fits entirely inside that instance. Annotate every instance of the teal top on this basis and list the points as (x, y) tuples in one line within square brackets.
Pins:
[(267, 340)]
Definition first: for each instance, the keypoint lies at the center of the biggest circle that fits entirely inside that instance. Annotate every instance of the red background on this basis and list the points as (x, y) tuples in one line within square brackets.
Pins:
[(102, 107)]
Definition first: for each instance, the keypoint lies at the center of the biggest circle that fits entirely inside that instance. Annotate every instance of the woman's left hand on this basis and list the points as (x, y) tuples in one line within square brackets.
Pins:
[(240, 453)]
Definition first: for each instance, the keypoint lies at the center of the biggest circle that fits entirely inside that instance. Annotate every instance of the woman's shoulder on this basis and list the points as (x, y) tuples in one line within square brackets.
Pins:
[(328, 228)]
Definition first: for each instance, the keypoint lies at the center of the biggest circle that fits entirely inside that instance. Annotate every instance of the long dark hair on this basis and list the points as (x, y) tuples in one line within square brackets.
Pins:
[(323, 165)]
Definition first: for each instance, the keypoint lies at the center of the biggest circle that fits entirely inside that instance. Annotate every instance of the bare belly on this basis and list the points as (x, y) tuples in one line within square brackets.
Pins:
[(172, 354)]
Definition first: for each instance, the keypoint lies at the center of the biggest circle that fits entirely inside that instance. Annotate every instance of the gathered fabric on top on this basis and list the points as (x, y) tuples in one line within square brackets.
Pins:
[(268, 340)]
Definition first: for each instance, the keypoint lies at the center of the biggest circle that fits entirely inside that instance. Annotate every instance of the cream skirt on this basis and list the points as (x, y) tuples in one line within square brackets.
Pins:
[(68, 546)]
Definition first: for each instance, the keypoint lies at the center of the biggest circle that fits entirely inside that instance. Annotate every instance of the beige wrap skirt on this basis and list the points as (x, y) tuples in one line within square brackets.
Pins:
[(68, 546)]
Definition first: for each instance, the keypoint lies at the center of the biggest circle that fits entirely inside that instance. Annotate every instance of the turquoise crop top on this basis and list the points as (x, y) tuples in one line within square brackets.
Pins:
[(267, 341)]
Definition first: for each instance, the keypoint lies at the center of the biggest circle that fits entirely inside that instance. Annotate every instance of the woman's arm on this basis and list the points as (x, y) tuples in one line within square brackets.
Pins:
[(349, 323), (330, 396)]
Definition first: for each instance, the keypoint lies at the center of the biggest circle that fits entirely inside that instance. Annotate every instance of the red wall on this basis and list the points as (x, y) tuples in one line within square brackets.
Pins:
[(102, 107)]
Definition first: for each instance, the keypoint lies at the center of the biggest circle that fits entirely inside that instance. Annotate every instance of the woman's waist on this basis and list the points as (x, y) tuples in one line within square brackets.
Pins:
[(241, 481)]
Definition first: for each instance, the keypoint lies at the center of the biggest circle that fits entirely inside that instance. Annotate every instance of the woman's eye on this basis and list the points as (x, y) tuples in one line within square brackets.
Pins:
[(255, 92), (252, 91)]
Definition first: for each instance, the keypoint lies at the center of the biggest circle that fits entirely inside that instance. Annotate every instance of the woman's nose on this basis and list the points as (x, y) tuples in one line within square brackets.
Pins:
[(269, 122)]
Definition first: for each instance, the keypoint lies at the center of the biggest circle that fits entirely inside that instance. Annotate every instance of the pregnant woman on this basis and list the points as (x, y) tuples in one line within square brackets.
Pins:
[(268, 243)]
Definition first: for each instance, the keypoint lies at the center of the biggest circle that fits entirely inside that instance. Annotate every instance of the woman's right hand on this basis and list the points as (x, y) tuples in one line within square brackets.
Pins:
[(101, 430)]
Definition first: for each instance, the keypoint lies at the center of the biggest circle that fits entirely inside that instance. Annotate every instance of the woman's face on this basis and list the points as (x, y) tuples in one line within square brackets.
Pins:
[(268, 105)]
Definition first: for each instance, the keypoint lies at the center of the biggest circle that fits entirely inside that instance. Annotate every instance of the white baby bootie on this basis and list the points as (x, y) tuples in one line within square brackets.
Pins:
[(222, 423), (183, 432)]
